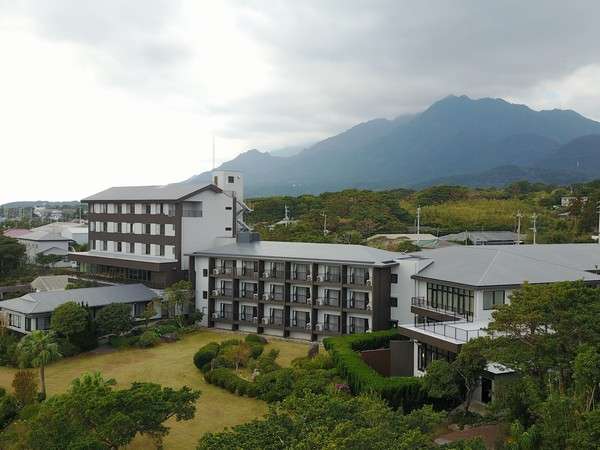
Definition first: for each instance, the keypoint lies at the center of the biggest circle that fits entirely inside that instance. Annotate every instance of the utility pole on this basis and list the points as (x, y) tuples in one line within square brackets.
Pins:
[(519, 216), (418, 224), (534, 217), (598, 209), (325, 230)]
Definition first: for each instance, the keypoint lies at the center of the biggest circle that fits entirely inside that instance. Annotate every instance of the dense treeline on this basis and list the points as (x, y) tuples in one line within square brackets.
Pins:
[(350, 216)]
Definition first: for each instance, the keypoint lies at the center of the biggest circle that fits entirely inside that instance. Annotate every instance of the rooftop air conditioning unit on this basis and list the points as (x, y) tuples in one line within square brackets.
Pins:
[(369, 282)]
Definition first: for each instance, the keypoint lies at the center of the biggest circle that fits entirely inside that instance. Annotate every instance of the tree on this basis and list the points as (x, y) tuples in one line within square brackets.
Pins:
[(115, 319), (69, 319), (178, 298), (469, 366), (39, 349), (12, 254), (47, 260), (149, 311), (25, 387), (330, 421), (238, 354), (586, 374), (440, 380), (93, 413)]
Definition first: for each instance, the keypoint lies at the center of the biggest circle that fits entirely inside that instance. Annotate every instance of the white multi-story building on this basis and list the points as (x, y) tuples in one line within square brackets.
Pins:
[(142, 232)]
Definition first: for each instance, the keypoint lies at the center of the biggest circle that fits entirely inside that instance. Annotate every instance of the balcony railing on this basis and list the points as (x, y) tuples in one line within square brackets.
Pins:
[(328, 278), (329, 301), (451, 331), (223, 315), (274, 274), (248, 272), (451, 310), (355, 303), (250, 295), (226, 271), (273, 321), (329, 327), (301, 276), (301, 299), (359, 280), (353, 328), (228, 292), (278, 297), (248, 318), (301, 324)]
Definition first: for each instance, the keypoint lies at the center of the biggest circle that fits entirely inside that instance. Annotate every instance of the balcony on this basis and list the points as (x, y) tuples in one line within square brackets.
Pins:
[(273, 297), (331, 302), (222, 293), (273, 275), (226, 272), (301, 276), (358, 304), (223, 316), (461, 334), (441, 311), (248, 319), (302, 299), (328, 328), (355, 329), (361, 280), (248, 273), (273, 322), (330, 278), (300, 325), (249, 296)]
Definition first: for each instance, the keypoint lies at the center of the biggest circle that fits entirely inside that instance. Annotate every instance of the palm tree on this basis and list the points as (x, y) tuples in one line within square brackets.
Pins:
[(39, 349)]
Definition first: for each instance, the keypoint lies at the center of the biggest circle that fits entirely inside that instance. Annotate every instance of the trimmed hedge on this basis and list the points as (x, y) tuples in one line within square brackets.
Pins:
[(227, 379), (400, 392), (206, 354), (255, 338)]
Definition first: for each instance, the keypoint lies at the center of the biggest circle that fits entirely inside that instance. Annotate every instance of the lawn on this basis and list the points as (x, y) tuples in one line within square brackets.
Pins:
[(169, 365)]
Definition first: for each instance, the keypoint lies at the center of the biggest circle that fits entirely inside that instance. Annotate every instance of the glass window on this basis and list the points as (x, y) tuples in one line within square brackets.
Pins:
[(192, 209), (491, 299)]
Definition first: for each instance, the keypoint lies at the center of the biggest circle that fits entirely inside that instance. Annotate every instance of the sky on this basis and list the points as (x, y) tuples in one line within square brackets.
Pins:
[(105, 93)]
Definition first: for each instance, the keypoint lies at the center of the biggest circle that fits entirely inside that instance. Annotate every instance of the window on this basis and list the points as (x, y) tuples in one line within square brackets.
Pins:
[(205, 294), (227, 228), (148, 208), (147, 250), (138, 309), (161, 250), (394, 278), (103, 208), (120, 208), (452, 299), (27, 323), (491, 299), (43, 323), (14, 320), (204, 273), (162, 229), (131, 247), (358, 325), (231, 180), (427, 353), (104, 245), (192, 209), (119, 247), (105, 226), (92, 226), (393, 302), (93, 245), (119, 227), (228, 208)]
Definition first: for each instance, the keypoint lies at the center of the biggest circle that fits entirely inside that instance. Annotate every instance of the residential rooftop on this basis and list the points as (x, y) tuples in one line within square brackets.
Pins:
[(511, 265), (483, 236), (167, 192), (46, 302), (305, 251)]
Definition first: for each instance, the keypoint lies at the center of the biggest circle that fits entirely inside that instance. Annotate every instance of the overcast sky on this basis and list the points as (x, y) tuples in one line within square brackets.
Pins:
[(101, 93)]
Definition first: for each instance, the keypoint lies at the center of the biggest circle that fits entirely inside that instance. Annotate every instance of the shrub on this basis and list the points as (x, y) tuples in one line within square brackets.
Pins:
[(227, 379), (8, 410), (67, 348), (25, 386), (276, 385), (221, 361), (255, 349), (8, 350), (115, 319), (256, 339), (229, 343), (404, 392), (320, 361), (313, 381), (87, 339), (266, 362), (206, 354), (123, 341), (161, 330), (148, 339)]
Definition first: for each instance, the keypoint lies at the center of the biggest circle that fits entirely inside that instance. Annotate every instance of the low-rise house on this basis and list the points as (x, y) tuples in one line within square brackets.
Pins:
[(46, 243), (33, 311), (484, 238), (423, 240)]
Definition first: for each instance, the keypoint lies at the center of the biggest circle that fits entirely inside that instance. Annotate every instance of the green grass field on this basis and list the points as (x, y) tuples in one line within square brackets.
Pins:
[(169, 365)]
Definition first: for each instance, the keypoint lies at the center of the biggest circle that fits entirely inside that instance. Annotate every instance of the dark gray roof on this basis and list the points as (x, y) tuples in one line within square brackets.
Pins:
[(482, 236), (43, 235), (45, 302), (305, 251), (174, 191), (511, 265)]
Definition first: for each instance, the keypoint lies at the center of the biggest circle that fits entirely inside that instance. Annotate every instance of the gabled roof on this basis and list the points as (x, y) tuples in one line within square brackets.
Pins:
[(482, 236), (511, 265), (46, 302), (43, 235), (16, 232), (167, 192), (50, 283), (305, 251)]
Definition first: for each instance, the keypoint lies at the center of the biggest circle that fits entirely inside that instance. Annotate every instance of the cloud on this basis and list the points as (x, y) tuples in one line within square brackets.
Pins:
[(139, 79)]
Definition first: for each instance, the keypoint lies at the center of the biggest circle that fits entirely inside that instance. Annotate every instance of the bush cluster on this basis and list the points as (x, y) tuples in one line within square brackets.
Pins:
[(205, 355), (148, 338), (400, 392), (227, 379)]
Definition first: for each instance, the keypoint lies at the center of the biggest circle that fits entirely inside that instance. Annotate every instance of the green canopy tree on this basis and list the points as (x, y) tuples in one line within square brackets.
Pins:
[(92, 414), (39, 349), (69, 319), (178, 299), (115, 319), (12, 254)]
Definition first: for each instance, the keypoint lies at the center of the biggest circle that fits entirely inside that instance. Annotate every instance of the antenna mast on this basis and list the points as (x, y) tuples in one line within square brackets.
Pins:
[(519, 216), (534, 217)]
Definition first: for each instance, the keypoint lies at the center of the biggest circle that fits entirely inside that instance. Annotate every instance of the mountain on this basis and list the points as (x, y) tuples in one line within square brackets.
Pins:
[(287, 151), (453, 137)]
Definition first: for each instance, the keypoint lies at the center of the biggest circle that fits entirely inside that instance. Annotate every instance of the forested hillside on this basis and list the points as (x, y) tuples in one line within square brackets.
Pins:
[(351, 216)]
